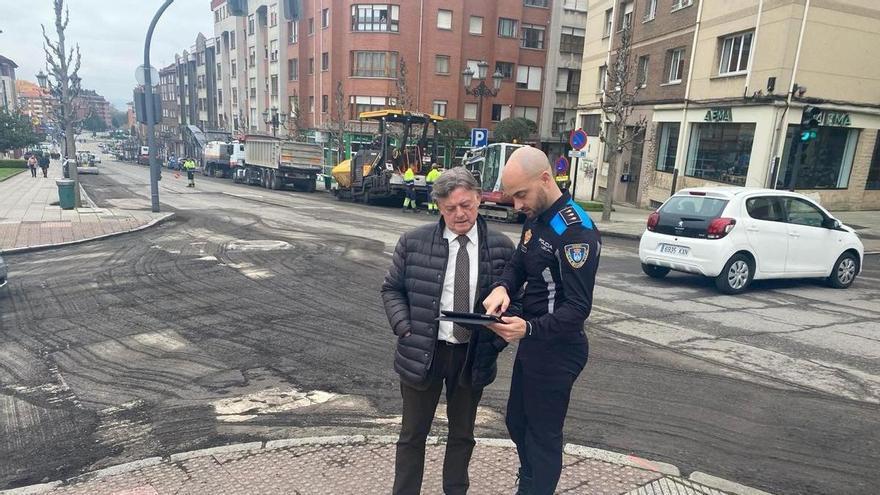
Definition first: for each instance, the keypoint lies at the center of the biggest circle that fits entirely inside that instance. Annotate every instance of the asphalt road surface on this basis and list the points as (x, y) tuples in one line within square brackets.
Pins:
[(255, 314)]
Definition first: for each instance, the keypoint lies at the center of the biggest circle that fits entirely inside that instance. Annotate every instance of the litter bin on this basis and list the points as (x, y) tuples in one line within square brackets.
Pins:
[(66, 196)]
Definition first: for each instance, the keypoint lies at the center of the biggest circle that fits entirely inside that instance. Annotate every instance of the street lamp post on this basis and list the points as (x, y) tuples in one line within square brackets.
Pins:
[(274, 119), (481, 91)]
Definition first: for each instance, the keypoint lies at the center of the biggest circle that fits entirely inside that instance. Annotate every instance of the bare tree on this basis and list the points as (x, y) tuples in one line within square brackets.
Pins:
[(338, 121), (63, 69), (618, 102), (404, 99), (295, 122)]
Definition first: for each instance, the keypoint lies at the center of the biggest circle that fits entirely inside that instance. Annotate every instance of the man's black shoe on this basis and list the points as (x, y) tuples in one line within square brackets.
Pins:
[(524, 484)]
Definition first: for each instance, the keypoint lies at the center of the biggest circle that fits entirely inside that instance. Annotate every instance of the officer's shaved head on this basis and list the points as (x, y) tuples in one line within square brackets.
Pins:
[(528, 179)]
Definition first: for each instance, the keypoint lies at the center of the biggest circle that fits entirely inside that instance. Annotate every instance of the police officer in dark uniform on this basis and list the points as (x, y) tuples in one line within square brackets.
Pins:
[(556, 258)]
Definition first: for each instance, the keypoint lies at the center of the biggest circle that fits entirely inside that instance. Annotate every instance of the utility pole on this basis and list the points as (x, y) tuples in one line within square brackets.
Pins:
[(148, 103)]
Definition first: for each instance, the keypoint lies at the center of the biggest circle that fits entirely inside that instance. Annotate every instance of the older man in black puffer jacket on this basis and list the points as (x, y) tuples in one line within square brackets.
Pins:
[(450, 265)]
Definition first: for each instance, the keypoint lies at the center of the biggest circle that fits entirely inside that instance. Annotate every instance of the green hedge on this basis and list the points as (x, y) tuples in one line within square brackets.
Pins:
[(13, 163), (590, 205)]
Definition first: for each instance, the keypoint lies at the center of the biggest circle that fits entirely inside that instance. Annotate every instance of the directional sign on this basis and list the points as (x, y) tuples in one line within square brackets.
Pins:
[(577, 153), (577, 139), (479, 137), (561, 165)]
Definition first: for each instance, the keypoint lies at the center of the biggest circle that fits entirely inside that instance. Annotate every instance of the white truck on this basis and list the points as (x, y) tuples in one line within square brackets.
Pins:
[(276, 164), (221, 158)]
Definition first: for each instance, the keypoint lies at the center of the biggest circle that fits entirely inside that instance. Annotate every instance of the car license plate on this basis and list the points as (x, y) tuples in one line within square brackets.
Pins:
[(676, 250)]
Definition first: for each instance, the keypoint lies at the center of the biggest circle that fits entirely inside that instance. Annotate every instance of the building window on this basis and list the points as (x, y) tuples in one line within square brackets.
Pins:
[(535, 3), (668, 146), (626, 16), (506, 27), (473, 65), (273, 16), (375, 18), (532, 37), (505, 68), (444, 19), (558, 116), (325, 61), (825, 164), (735, 51), (232, 40), (233, 68), (650, 10), (311, 27), (500, 112), (603, 79), (680, 4), (578, 5), (530, 113), (293, 69), (234, 97), (273, 51), (219, 72), (568, 81), (439, 108), (873, 182), (325, 103), (252, 57), (590, 124), (476, 25), (528, 77), (720, 152), (470, 111), (642, 73), (572, 40), (674, 65), (374, 64), (292, 32), (609, 19), (274, 85), (311, 65), (441, 64), (251, 25), (360, 104), (311, 104), (325, 18)]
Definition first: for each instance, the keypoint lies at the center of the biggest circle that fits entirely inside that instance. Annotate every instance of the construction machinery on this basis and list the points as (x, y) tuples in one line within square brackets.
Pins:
[(221, 158), (486, 163), (274, 163), (376, 171)]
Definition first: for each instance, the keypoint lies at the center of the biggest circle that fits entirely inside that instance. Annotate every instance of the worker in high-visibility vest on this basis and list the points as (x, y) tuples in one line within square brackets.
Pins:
[(409, 180), (190, 166), (432, 176)]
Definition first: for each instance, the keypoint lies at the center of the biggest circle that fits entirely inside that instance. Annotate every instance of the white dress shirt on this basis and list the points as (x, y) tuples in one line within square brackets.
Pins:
[(447, 298)]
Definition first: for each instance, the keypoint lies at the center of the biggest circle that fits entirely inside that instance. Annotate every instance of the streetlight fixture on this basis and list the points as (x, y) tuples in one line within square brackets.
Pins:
[(274, 119), (481, 91), (42, 79)]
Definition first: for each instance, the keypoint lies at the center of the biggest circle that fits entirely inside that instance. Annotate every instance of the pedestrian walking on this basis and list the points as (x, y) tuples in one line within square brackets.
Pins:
[(44, 165), (32, 165), (432, 177), (409, 182), (190, 166), (447, 265), (556, 259)]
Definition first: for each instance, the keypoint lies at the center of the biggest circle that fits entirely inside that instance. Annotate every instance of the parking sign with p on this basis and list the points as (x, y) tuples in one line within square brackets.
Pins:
[(479, 137)]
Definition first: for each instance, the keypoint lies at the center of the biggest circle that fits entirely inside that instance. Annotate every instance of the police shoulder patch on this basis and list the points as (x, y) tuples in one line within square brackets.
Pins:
[(570, 216), (577, 254)]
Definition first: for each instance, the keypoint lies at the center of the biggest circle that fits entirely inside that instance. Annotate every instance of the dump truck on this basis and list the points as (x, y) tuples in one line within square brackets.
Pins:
[(275, 163), (487, 163), (222, 158)]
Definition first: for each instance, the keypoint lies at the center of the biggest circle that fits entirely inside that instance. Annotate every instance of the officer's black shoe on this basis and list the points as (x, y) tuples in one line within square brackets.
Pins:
[(524, 484)]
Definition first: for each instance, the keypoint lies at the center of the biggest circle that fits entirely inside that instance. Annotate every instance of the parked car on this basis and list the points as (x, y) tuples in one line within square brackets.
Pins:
[(737, 234), (4, 272)]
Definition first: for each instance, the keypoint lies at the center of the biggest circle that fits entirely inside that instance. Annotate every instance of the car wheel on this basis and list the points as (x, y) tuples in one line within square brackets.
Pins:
[(736, 275), (844, 272), (655, 271)]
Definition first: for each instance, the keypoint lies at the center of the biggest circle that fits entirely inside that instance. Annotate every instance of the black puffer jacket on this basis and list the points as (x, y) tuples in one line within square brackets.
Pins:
[(411, 294)]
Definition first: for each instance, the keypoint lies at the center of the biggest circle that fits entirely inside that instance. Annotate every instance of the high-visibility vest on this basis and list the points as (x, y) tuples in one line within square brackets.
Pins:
[(409, 177), (432, 176)]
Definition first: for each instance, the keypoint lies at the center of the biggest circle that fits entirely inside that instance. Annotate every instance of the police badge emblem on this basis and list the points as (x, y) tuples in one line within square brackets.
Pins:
[(527, 236), (577, 254)]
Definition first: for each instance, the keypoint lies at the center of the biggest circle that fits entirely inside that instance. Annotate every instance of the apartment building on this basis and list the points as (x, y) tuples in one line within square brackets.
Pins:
[(724, 88), (365, 45), (34, 101), (169, 137), (88, 102), (7, 83)]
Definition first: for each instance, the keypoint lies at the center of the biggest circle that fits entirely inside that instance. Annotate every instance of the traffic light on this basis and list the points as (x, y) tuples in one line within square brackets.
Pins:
[(809, 123)]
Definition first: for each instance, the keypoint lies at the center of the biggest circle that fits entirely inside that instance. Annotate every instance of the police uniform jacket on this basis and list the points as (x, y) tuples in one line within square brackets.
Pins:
[(557, 257), (411, 295)]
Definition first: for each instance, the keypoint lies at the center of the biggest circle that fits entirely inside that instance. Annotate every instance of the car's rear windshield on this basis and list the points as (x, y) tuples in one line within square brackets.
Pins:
[(702, 207)]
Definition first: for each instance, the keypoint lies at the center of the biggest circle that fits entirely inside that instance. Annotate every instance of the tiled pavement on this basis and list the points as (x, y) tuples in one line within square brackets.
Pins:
[(31, 218), (365, 465)]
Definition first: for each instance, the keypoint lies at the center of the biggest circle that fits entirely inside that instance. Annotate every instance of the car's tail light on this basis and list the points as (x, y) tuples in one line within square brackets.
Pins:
[(720, 227), (653, 219)]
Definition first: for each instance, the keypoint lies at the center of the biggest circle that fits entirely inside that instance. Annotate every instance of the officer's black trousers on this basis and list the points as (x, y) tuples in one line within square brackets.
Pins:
[(543, 374)]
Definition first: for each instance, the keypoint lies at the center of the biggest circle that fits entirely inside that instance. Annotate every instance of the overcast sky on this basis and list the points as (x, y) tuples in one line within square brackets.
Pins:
[(110, 34)]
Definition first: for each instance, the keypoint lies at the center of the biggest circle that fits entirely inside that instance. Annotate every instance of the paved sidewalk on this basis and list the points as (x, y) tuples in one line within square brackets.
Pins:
[(365, 465), (30, 217)]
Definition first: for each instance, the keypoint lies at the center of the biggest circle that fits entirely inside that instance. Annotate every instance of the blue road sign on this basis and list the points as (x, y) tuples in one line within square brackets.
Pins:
[(561, 165), (479, 137), (578, 139)]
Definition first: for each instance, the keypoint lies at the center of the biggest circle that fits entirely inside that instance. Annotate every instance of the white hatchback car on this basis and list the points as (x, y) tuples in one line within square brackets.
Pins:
[(737, 234)]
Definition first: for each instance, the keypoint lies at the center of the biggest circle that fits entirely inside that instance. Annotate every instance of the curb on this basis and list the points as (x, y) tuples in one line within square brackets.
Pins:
[(41, 247), (619, 235), (255, 447)]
